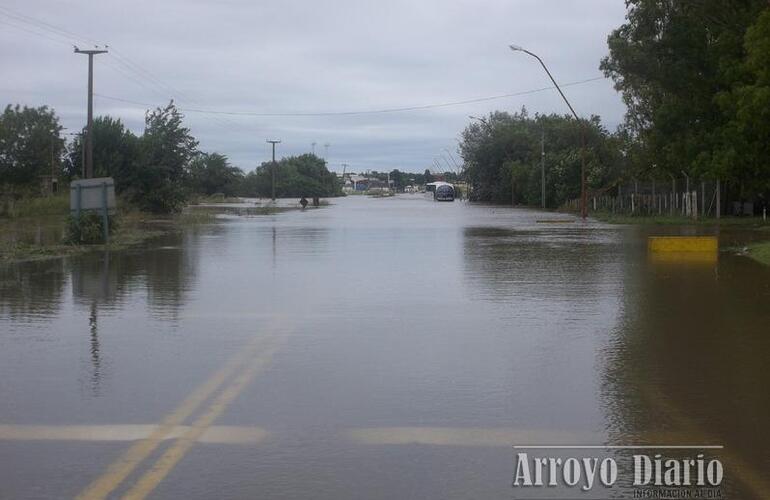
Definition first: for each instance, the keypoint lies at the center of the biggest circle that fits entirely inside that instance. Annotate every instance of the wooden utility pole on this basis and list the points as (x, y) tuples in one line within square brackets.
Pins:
[(542, 166), (273, 142), (89, 143)]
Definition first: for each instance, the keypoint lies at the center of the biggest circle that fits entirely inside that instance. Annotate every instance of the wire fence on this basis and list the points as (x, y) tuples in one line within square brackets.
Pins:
[(701, 199)]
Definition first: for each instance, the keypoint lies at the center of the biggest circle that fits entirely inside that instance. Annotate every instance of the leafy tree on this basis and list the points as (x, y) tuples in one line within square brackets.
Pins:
[(116, 151), (212, 173), (744, 141), (157, 181), (427, 176), (502, 157), (296, 176), (682, 69), (29, 140)]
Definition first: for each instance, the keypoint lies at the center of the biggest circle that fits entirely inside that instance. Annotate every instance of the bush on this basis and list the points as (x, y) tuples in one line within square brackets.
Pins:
[(88, 228)]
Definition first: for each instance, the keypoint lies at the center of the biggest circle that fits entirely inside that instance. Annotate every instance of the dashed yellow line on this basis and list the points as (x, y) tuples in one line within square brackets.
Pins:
[(150, 480), (119, 470)]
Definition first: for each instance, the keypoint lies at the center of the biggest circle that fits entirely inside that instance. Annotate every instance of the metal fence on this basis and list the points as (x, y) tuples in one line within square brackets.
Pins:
[(701, 199)]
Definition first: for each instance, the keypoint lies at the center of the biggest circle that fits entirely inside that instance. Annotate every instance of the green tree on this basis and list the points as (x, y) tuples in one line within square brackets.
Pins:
[(745, 140), (296, 176), (502, 157), (212, 173), (29, 141), (679, 65), (157, 181), (116, 151), (400, 179)]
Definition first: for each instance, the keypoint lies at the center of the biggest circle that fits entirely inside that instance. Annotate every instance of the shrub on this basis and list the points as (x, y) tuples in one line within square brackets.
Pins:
[(88, 228)]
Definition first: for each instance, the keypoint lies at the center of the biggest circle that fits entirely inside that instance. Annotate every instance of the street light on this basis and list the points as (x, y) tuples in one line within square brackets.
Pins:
[(583, 194)]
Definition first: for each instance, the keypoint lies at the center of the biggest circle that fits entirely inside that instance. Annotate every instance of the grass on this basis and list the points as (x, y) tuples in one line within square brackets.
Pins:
[(48, 215), (679, 220), (760, 252), (33, 215), (132, 230), (36, 206), (205, 200)]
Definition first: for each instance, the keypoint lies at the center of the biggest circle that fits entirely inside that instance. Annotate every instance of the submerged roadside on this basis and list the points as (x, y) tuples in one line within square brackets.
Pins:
[(758, 248), (43, 237), (37, 229)]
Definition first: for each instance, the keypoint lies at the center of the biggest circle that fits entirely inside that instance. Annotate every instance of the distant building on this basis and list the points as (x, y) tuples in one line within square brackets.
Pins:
[(359, 182)]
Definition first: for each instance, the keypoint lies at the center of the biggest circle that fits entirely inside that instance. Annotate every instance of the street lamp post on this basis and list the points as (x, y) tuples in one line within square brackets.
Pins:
[(583, 194)]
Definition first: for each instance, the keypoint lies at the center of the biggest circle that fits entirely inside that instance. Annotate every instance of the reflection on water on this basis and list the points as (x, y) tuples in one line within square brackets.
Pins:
[(688, 361), (553, 265), (32, 290), (451, 325)]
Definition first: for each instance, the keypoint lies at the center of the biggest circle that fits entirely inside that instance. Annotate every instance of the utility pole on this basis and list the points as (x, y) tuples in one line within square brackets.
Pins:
[(272, 170), (89, 143), (542, 166), (326, 151), (312, 144)]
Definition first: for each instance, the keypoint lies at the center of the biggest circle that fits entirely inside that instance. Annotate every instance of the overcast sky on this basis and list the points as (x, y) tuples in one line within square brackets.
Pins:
[(310, 56)]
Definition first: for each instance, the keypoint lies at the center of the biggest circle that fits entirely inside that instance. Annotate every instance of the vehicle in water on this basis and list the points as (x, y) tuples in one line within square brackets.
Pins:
[(440, 191)]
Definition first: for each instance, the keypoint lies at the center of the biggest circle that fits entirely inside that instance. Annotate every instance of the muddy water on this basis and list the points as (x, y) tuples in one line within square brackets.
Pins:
[(418, 342)]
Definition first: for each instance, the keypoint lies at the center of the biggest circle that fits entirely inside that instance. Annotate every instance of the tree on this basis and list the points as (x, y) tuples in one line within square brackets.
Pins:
[(400, 179), (212, 173), (679, 65), (745, 139), (502, 157), (296, 176), (29, 142), (157, 181), (116, 151)]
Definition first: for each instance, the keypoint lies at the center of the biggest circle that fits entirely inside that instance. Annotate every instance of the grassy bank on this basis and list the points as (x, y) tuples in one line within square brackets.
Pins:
[(760, 252), (35, 206), (38, 233), (678, 220)]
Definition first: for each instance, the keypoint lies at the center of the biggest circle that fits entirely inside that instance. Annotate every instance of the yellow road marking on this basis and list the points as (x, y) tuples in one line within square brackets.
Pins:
[(709, 244), (120, 469), (150, 480), (127, 432), (469, 436)]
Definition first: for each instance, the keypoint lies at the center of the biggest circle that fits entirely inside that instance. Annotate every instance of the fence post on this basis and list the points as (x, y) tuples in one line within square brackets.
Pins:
[(695, 205)]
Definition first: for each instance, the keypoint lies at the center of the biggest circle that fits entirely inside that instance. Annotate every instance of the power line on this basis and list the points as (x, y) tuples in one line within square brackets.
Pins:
[(140, 74), (37, 33), (63, 33), (361, 112)]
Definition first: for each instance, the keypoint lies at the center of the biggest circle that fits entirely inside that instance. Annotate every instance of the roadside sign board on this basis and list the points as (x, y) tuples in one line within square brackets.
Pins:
[(92, 194)]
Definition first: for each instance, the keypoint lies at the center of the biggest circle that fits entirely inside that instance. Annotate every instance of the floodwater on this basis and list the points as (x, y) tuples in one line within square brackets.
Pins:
[(376, 348)]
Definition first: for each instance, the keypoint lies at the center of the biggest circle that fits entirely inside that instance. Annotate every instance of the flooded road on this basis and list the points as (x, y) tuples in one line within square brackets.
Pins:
[(376, 348)]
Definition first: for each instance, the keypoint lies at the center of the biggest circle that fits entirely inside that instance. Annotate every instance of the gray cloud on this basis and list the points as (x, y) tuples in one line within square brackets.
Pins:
[(313, 56)]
